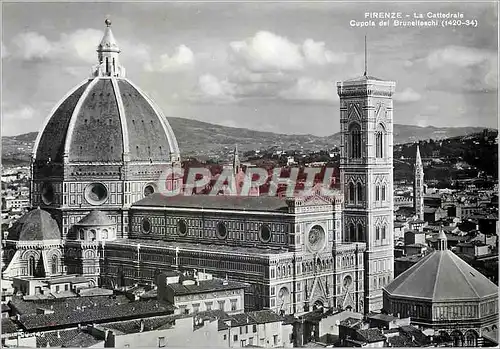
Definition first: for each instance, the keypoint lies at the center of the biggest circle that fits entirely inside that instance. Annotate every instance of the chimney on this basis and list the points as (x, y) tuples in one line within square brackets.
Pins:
[(142, 326)]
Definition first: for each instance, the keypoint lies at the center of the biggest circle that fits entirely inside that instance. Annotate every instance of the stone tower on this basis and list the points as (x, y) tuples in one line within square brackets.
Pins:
[(366, 174), (418, 187)]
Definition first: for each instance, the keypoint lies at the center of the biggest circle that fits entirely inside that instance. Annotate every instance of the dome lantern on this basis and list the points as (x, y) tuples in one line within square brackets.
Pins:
[(442, 241), (107, 55)]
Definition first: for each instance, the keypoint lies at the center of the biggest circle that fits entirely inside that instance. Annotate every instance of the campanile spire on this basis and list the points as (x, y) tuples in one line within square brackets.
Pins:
[(108, 55)]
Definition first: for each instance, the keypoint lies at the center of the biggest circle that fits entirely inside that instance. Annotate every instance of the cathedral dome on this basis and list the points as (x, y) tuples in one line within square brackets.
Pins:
[(36, 225), (106, 119)]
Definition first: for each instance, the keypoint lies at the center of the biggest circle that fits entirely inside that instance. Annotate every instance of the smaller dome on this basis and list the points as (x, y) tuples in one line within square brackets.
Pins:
[(95, 217), (36, 225), (442, 276)]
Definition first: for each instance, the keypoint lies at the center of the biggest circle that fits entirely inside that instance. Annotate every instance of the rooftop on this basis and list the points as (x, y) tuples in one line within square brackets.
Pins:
[(8, 326), (219, 202), (95, 217), (96, 315), (250, 318), (206, 286), (67, 338), (253, 251), (371, 335), (36, 225), (442, 276)]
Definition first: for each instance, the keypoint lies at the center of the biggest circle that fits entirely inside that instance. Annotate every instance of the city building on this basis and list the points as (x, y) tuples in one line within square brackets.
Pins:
[(262, 328), (97, 176), (201, 293), (443, 293)]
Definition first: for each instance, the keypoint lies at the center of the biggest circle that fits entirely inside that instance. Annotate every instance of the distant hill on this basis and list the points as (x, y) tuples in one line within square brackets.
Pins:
[(205, 140)]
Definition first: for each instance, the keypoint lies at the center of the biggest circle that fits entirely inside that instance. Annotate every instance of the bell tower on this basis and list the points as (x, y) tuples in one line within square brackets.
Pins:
[(418, 187), (366, 174)]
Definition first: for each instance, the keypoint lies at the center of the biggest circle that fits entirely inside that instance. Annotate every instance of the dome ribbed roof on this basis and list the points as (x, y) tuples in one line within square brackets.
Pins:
[(102, 119), (106, 119), (442, 276), (36, 225)]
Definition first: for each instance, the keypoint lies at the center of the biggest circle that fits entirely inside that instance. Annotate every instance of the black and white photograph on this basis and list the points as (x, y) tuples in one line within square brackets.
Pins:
[(261, 174)]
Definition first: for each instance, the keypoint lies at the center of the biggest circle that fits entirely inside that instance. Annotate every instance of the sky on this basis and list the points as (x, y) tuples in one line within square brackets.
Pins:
[(269, 66)]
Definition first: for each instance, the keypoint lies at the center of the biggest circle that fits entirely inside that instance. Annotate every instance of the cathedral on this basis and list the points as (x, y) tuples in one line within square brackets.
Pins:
[(98, 211)]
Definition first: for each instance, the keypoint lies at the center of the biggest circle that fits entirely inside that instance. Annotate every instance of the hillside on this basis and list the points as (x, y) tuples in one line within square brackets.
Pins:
[(205, 140)]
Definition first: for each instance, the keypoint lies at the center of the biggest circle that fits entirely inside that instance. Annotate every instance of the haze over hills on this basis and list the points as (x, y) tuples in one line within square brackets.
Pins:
[(205, 140)]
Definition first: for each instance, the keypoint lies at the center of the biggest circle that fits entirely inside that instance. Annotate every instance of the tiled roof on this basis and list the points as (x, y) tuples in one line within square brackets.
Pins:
[(67, 338), (205, 286), (8, 326), (442, 276), (95, 217), (134, 326), (29, 307), (351, 322), (250, 318), (221, 202), (254, 251), (371, 335), (418, 336), (36, 225), (96, 314)]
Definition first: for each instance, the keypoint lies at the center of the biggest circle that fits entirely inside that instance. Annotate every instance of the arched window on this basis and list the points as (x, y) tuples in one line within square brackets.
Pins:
[(359, 190), (55, 264), (377, 233), (361, 235), (31, 266), (383, 192), (383, 232), (92, 235), (352, 233), (377, 193), (351, 193), (379, 141), (354, 141)]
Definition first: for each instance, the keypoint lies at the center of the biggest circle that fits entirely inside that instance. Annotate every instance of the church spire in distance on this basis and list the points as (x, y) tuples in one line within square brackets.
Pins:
[(108, 55), (418, 187), (236, 160)]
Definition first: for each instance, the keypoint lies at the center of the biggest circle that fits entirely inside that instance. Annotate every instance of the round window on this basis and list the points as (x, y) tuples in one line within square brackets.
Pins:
[(149, 189), (146, 225), (265, 233), (316, 238), (221, 230), (96, 193), (47, 193), (182, 227)]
